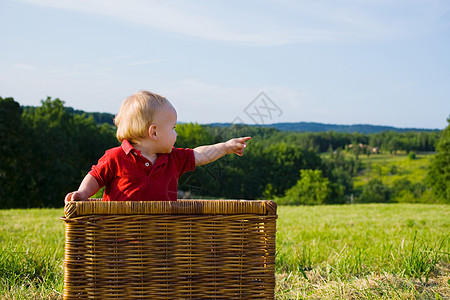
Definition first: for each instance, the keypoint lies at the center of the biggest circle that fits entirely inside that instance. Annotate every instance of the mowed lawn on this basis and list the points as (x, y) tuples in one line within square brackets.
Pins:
[(373, 251)]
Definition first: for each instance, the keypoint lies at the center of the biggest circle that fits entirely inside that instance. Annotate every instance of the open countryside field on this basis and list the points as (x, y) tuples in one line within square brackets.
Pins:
[(396, 178), (373, 251), (390, 168)]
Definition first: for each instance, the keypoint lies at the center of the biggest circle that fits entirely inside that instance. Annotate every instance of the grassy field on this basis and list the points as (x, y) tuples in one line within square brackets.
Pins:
[(31, 254), (395, 251), (384, 251)]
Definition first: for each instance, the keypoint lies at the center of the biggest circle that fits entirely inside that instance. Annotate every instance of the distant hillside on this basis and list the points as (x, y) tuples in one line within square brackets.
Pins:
[(361, 128), (297, 126), (321, 127)]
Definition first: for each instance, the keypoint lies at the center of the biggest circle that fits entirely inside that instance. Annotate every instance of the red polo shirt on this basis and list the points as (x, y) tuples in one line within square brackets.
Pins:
[(128, 176)]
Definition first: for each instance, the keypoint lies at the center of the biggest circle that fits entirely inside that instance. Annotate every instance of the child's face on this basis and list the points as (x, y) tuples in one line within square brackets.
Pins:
[(166, 120)]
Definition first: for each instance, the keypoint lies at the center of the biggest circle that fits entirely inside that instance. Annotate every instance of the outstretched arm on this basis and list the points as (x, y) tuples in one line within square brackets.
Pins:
[(207, 154), (88, 187)]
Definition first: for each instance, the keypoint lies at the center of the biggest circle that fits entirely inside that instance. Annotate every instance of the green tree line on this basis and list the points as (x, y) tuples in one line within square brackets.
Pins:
[(45, 152)]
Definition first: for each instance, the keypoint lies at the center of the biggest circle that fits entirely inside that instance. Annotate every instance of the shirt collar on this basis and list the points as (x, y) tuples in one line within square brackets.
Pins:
[(127, 147)]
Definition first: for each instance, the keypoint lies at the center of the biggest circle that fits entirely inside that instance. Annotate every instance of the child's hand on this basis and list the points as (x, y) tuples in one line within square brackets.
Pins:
[(74, 196), (237, 145), (88, 187)]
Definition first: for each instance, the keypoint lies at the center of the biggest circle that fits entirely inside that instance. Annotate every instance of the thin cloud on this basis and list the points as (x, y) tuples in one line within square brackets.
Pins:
[(191, 95), (145, 62), (179, 20), (26, 67), (308, 21), (282, 22), (115, 58)]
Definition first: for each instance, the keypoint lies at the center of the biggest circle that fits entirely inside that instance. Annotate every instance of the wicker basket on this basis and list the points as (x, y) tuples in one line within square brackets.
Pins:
[(186, 249)]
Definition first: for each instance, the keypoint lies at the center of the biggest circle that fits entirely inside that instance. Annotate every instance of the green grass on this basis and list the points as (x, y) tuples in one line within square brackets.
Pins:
[(385, 251), (31, 251), (373, 251)]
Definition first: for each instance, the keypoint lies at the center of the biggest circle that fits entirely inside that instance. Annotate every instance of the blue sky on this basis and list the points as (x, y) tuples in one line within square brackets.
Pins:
[(380, 62)]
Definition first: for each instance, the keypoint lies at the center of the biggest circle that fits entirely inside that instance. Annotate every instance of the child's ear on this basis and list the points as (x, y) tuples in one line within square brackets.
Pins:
[(152, 132)]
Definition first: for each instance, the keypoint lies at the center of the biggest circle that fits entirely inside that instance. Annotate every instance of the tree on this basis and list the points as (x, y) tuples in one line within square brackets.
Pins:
[(339, 169), (439, 171), (45, 152), (12, 158), (311, 189), (403, 190), (282, 163), (191, 135), (375, 192)]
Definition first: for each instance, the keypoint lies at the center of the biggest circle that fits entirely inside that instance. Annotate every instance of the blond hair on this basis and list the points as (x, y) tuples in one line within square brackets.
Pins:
[(136, 114)]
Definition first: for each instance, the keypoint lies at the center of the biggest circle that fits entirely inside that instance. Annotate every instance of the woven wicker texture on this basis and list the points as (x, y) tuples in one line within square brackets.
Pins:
[(186, 249)]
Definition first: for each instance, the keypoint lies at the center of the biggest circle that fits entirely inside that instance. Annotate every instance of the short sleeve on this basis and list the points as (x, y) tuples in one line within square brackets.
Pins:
[(102, 170), (184, 160)]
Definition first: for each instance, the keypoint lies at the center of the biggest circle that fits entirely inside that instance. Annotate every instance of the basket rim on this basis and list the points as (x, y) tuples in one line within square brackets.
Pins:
[(179, 207)]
